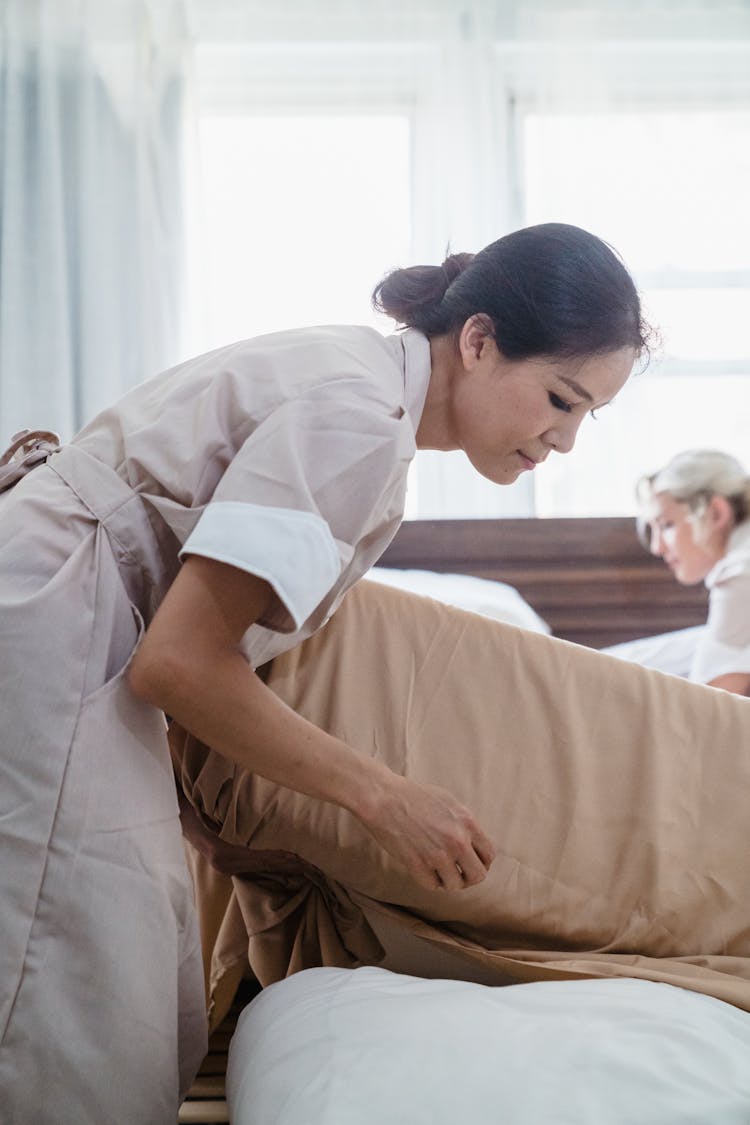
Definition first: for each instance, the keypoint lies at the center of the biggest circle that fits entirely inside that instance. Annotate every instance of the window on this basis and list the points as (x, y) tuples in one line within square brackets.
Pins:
[(300, 221), (669, 188), (336, 148)]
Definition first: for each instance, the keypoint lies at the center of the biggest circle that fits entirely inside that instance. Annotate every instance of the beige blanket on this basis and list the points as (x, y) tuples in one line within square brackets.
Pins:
[(618, 799)]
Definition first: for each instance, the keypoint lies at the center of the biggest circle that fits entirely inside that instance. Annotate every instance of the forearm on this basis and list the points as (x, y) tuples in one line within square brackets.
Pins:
[(229, 708), (736, 682), (191, 666), (224, 704)]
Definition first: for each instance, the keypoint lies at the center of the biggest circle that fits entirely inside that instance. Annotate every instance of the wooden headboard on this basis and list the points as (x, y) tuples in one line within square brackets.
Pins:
[(590, 579)]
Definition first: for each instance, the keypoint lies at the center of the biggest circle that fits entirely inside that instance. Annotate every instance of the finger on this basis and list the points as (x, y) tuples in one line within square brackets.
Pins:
[(450, 875), (429, 879), (471, 868), (425, 875), (484, 848)]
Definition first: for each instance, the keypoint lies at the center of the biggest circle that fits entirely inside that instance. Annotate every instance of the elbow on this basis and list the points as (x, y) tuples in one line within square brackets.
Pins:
[(157, 677), (141, 677)]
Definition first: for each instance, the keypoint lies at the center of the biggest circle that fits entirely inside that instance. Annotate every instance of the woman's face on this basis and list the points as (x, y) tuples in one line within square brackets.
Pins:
[(508, 415), (673, 539)]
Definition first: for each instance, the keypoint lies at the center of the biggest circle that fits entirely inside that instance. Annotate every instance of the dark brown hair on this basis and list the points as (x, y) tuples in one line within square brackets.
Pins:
[(547, 290)]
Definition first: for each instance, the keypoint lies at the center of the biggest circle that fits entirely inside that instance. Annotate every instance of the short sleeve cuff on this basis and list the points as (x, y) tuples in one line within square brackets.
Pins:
[(293, 551)]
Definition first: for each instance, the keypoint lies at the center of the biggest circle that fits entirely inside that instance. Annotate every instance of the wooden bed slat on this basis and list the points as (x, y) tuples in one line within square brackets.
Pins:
[(206, 1103), (203, 1113)]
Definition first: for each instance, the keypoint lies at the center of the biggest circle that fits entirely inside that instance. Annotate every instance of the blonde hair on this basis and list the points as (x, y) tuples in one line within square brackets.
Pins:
[(693, 478)]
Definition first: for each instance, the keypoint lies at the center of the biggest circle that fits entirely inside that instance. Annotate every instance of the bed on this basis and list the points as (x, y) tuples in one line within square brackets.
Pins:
[(592, 583)]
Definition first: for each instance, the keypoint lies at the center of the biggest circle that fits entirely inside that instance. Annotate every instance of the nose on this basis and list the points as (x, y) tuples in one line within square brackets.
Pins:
[(562, 436), (656, 542)]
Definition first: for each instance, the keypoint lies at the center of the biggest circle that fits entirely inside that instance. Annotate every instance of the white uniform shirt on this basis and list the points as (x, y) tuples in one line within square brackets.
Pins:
[(284, 455), (724, 646)]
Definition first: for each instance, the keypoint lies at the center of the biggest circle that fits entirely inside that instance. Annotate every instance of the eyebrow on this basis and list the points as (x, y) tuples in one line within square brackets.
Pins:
[(576, 387)]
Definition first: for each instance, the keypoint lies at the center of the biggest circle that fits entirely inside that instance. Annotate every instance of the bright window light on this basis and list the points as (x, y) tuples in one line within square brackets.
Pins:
[(670, 187), (304, 212), (702, 324), (302, 215)]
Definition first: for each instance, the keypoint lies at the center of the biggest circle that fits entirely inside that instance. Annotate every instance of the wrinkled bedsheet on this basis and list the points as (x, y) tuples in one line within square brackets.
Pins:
[(617, 798)]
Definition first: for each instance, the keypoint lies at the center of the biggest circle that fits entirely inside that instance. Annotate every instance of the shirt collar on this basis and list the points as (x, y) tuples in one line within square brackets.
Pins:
[(417, 365), (736, 559)]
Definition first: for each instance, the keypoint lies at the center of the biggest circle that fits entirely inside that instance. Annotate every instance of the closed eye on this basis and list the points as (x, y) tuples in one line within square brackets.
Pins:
[(593, 414), (560, 403)]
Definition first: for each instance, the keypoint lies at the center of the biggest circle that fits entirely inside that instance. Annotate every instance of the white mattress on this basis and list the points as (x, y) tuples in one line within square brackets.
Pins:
[(371, 1047)]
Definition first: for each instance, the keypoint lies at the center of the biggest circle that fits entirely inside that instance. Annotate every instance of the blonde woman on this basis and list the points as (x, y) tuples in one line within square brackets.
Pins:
[(695, 514)]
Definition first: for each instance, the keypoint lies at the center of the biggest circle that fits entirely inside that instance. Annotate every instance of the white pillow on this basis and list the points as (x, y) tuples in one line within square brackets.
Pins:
[(370, 1047), (479, 595)]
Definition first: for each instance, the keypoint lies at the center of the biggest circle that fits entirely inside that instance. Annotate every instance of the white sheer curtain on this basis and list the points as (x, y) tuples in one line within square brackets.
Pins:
[(92, 99)]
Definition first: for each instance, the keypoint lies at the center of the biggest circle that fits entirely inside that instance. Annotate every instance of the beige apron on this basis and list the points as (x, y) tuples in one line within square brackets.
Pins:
[(102, 1019)]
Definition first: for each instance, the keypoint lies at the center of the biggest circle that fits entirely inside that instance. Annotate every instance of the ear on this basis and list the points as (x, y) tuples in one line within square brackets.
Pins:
[(475, 337), (720, 515)]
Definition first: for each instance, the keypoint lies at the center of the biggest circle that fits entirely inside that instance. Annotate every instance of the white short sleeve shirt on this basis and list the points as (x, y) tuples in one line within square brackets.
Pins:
[(724, 646)]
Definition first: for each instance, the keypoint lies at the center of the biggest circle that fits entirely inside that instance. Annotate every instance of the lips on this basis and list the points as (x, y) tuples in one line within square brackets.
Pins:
[(528, 463)]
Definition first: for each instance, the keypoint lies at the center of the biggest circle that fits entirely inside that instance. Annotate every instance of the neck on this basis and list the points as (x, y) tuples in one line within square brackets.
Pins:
[(435, 430)]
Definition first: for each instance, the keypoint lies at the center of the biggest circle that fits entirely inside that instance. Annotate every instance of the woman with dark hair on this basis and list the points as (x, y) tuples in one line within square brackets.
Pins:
[(209, 521)]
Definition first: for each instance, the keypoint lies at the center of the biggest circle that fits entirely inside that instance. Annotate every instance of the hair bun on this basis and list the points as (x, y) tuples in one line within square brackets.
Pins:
[(454, 265), (414, 296)]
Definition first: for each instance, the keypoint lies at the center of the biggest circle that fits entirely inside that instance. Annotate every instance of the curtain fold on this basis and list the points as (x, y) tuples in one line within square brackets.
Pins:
[(93, 104)]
